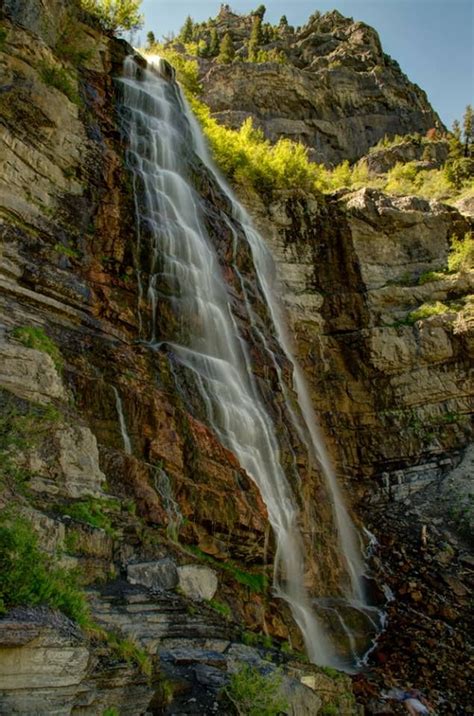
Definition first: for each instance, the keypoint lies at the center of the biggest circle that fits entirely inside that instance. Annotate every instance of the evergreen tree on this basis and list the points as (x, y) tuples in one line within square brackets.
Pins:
[(227, 53), (214, 43), (186, 32), (457, 129), (150, 40), (260, 12), (283, 21), (468, 128), (256, 37)]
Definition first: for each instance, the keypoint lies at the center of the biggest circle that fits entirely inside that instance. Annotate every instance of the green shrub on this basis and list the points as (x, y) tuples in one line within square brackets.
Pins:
[(253, 694), (429, 276), (111, 711), (30, 577), (127, 650), (187, 71), (426, 310), (92, 511), (66, 251), (115, 15), (330, 710), (461, 255), (60, 79), (35, 337)]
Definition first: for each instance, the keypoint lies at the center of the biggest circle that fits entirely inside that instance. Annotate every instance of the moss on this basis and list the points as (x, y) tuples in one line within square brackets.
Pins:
[(60, 79), (221, 608), (93, 511), (255, 582), (35, 337), (67, 251), (22, 426)]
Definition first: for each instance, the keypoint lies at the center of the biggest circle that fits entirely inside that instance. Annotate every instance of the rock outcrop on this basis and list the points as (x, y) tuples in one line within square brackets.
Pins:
[(337, 92)]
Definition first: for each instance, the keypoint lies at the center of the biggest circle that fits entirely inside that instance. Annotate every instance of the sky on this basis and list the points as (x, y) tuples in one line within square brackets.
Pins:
[(433, 40)]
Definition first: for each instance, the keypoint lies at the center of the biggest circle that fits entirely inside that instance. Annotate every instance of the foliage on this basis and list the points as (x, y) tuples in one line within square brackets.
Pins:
[(115, 15), (66, 251), (214, 43), (255, 582), (20, 428), (221, 608), (330, 710), (227, 52), (110, 711), (187, 71), (461, 255), (426, 310), (127, 650), (35, 337), (30, 577), (150, 39), (254, 694), (186, 32), (92, 511), (256, 38), (260, 11), (60, 79)]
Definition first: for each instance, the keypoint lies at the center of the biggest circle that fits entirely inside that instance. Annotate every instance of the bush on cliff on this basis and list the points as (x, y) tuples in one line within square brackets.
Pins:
[(30, 577), (115, 15)]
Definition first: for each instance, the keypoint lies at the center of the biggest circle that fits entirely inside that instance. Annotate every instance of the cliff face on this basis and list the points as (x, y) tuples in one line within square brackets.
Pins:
[(108, 430), (337, 93), (111, 436)]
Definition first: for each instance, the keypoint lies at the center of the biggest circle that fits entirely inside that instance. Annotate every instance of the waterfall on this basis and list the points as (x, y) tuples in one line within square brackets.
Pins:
[(205, 342), (127, 445)]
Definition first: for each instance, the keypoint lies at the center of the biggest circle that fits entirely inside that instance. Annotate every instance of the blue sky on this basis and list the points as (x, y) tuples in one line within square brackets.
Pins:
[(433, 40)]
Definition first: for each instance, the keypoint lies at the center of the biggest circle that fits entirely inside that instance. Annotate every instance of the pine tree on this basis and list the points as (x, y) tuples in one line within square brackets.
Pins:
[(150, 40), (283, 21), (256, 37), (186, 32), (468, 128), (260, 11), (214, 43), (227, 53)]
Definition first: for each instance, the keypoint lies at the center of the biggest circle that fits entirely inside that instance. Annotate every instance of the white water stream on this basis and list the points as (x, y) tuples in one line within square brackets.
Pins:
[(163, 135), (127, 445)]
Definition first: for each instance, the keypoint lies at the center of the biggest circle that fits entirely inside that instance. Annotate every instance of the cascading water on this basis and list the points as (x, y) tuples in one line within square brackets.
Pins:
[(127, 445), (205, 341)]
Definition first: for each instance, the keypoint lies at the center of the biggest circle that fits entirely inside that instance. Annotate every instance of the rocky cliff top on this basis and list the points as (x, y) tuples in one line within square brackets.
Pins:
[(327, 84)]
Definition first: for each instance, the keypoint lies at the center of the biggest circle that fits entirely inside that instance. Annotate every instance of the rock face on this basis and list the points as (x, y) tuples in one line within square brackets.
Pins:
[(170, 504), (337, 93)]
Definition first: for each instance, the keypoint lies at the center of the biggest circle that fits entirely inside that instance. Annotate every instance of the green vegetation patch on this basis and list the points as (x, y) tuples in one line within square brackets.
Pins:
[(255, 582), (461, 255), (127, 650), (94, 512), (30, 577), (35, 337), (426, 310), (60, 79), (22, 426), (254, 694), (221, 608)]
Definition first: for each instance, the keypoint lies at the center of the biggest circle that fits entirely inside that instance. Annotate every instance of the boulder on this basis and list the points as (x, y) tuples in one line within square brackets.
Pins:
[(197, 582), (161, 574)]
